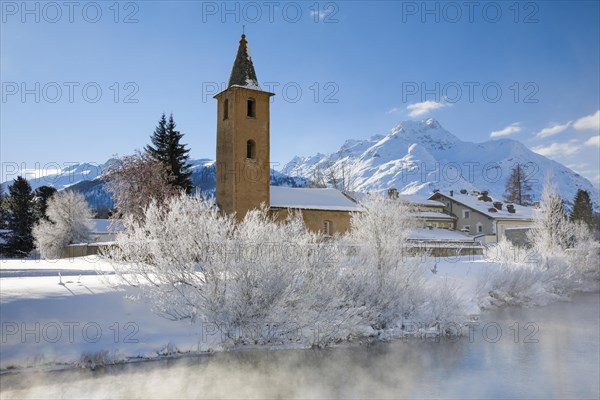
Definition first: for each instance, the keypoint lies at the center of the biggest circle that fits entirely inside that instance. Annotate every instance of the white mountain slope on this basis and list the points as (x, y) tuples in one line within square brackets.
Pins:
[(419, 156), (73, 174), (88, 179)]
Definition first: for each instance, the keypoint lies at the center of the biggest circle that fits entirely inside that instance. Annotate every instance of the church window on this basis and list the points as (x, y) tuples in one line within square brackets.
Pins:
[(251, 149), (327, 227), (226, 109), (251, 107)]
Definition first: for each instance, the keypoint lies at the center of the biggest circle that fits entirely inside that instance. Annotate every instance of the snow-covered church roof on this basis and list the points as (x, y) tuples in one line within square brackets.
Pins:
[(242, 72), (311, 199)]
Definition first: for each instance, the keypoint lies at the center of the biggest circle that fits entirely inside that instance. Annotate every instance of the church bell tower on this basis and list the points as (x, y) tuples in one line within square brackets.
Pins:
[(243, 161)]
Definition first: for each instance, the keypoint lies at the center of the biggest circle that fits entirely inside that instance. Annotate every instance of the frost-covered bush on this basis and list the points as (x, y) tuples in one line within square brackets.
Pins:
[(443, 305), (192, 261), (68, 214), (517, 278), (275, 267), (385, 281), (583, 257), (562, 258), (167, 254), (96, 359)]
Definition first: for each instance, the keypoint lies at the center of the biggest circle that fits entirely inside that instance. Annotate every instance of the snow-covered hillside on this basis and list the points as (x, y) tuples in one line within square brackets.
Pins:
[(415, 157), (419, 156), (88, 179)]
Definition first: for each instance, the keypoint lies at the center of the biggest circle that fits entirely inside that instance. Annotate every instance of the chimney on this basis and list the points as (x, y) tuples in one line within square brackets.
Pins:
[(510, 208), (498, 205), (452, 193), (484, 196)]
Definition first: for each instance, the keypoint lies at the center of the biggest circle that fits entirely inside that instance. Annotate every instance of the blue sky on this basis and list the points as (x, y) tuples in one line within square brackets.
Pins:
[(361, 68)]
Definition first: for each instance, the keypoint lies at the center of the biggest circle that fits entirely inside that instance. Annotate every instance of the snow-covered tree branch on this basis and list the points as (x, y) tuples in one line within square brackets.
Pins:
[(67, 217)]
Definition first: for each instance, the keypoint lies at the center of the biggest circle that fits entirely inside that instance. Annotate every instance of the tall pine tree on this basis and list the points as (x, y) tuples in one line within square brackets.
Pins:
[(42, 195), (518, 187), (3, 211), (160, 141), (167, 148), (21, 217), (582, 208)]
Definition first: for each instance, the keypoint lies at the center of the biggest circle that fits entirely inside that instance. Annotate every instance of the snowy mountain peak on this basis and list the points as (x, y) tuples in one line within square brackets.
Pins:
[(429, 132), (420, 126), (419, 156)]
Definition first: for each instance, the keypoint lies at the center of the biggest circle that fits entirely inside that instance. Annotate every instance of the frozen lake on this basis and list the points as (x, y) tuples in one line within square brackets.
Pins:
[(543, 352)]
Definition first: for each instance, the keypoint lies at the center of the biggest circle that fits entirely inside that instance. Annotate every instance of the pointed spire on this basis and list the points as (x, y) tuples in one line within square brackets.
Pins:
[(242, 72)]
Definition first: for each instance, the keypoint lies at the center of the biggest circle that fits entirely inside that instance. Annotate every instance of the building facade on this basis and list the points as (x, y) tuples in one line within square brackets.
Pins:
[(482, 217), (243, 158), (243, 139)]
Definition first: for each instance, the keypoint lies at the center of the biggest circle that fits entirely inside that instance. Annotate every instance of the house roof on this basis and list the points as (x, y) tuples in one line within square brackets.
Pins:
[(483, 207), (311, 199), (433, 215), (438, 235), (419, 200), (242, 72), (407, 198)]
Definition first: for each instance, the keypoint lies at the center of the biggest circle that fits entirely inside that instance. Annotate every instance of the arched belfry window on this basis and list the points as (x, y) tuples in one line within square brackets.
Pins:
[(251, 149), (251, 107), (226, 109)]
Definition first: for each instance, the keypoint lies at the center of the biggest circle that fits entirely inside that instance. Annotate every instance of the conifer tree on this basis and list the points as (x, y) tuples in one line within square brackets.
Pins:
[(160, 142), (42, 195), (3, 211), (168, 149), (582, 209), (21, 217), (518, 187)]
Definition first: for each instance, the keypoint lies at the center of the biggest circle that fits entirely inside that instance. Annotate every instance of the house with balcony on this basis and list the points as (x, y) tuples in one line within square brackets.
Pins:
[(485, 219)]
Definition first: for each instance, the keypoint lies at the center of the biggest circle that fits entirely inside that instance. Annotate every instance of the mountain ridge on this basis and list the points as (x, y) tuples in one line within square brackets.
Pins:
[(416, 157)]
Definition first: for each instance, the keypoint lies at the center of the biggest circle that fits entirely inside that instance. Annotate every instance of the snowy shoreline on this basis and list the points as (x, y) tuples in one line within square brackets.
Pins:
[(78, 320)]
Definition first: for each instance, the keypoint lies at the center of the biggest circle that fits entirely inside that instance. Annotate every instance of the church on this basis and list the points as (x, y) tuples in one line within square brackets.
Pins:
[(243, 159)]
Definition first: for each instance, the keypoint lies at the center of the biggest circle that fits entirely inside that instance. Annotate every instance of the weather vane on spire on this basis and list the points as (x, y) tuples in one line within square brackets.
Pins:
[(243, 29)]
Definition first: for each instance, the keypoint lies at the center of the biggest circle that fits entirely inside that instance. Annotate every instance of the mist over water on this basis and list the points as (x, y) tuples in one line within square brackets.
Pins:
[(558, 359)]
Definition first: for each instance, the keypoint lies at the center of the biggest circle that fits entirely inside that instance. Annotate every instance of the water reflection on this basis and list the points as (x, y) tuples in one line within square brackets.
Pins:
[(563, 363)]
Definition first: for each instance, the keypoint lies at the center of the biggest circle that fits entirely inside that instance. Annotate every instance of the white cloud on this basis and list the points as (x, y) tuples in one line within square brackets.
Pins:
[(553, 130), (393, 110), (594, 141), (579, 166), (589, 122), (509, 130), (566, 148), (425, 107), (321, 14)]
